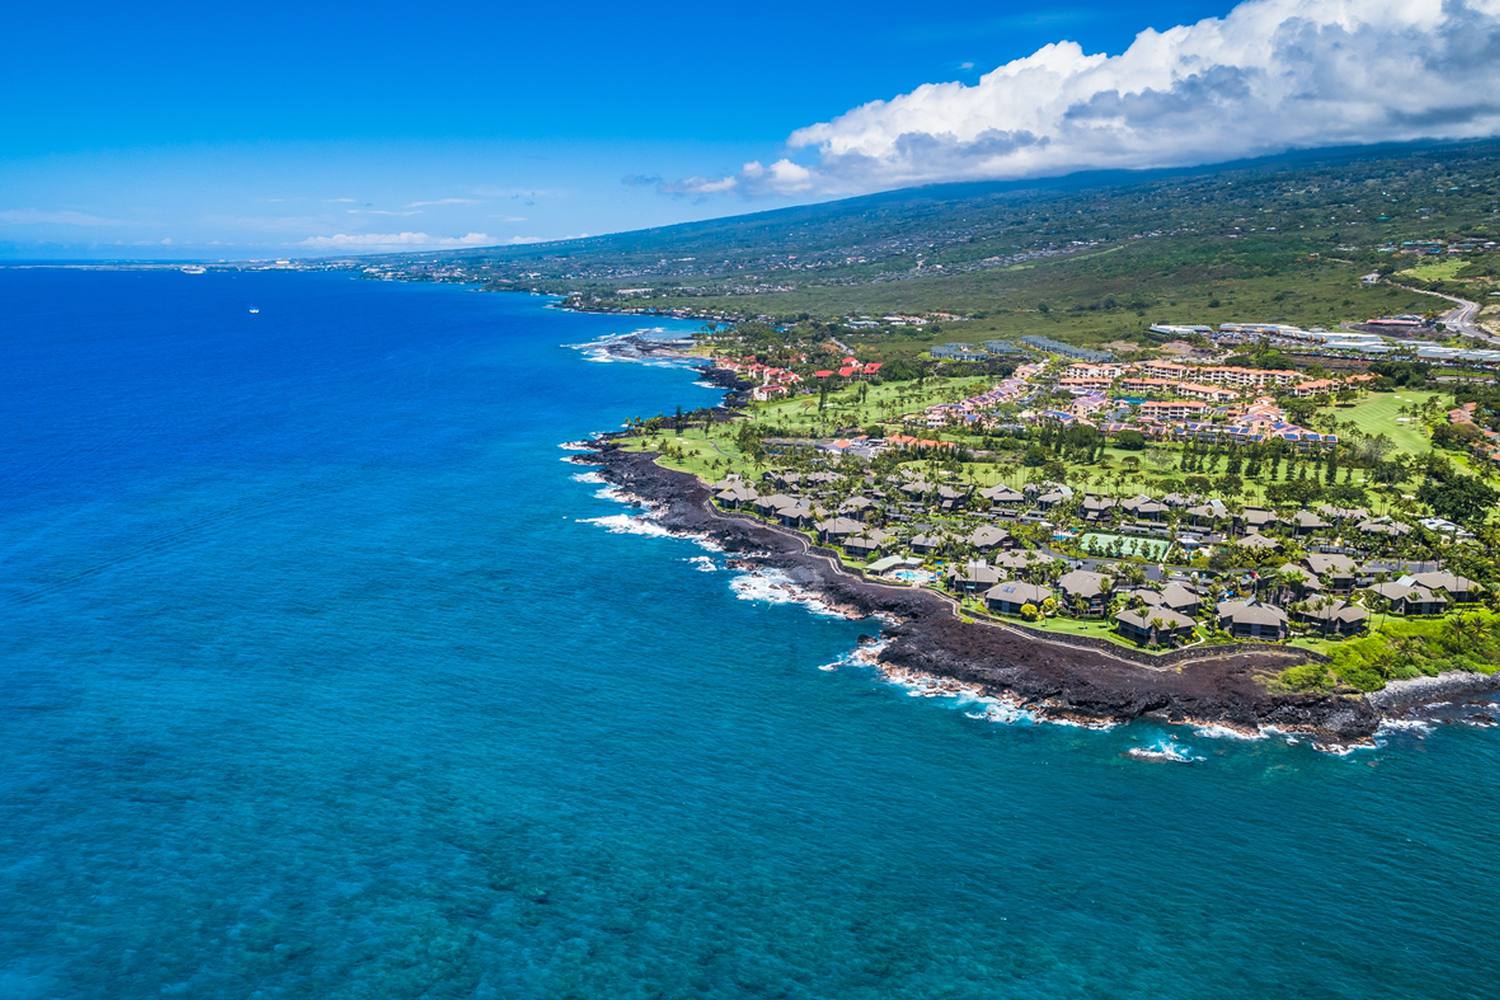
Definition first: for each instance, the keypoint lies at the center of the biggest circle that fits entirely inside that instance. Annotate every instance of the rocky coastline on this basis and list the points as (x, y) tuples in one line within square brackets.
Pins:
[(1056, 677)]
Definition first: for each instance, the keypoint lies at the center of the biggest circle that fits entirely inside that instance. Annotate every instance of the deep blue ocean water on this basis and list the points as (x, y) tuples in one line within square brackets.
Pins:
[(316, 681)]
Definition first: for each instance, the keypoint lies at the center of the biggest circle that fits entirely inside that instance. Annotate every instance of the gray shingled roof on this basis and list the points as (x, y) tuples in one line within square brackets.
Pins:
[(1083, 583), (1017, 592), (1251, 613), (1143, 617)]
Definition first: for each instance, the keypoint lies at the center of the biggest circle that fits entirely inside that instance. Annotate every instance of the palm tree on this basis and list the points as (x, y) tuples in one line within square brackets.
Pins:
[(1157, 624), (1289, 580), (1464, 630)]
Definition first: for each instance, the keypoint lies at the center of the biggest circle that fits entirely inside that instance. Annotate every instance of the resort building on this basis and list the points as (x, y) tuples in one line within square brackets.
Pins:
[(1154, 626), (1250, 619), (1332, 616), (1085, 592), (974, 577), (1009, 597)]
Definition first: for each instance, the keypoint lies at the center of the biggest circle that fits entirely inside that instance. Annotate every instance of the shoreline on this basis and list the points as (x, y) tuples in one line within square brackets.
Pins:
[(926, 647), (926, 642)]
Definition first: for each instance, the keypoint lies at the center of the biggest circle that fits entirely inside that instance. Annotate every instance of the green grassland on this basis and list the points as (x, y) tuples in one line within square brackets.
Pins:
[(1089, 258), (1094, 298), (1402, 648), (708, 455), (712, 452), (1439, 269), (1382, 413)]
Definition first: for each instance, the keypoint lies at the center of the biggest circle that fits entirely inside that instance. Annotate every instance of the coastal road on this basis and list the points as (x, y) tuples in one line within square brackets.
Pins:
[(1462, 318)]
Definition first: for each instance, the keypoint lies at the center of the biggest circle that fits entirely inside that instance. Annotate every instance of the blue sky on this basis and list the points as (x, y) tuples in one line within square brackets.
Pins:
[(281, 130)]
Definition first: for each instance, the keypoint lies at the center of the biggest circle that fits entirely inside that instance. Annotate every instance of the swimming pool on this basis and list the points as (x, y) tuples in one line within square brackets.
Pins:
[(914, 575)]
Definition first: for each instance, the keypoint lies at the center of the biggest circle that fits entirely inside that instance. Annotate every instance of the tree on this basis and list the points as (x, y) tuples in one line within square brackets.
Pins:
[(1029, 612), (1461, 499), (1157, 624)]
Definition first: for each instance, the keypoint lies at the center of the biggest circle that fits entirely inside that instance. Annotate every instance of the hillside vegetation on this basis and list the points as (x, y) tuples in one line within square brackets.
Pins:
[(1086, 257)]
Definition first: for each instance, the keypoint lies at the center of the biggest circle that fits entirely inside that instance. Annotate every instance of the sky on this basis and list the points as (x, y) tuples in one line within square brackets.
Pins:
[(279, 130)]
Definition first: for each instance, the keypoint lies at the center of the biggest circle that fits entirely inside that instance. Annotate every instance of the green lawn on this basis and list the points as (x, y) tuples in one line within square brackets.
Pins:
[(1441, 269), (1147, 548), (862, 405), (709, 457), (1380, 413), (1396, 648)]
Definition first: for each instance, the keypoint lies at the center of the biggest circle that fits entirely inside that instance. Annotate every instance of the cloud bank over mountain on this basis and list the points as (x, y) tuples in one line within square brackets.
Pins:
[(1269, 76)]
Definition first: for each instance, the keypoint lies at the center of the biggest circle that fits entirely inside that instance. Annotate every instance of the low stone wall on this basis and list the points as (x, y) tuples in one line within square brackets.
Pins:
[(1292, 655)]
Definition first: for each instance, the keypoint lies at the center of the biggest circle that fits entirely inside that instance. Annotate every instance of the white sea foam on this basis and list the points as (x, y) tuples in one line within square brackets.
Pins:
[(575, 446), (628, 524), (605, 351), (971, 699), (1420, 727), (643, 522), (1341, 749), (703, 564), (588, 477), (622, 496), (867, 655), (1095, 725), (1004, 713), (1214, 731), (1164, 750), (772, 586)]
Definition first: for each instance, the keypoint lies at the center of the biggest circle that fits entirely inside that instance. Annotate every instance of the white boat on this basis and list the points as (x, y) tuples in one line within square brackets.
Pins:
[(255, 310), (194, 269)]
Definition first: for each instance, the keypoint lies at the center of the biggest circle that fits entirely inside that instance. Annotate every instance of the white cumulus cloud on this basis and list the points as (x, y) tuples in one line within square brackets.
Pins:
[(396, 241), (780, 177), (700, 185), (783, 176), (1270, 75)]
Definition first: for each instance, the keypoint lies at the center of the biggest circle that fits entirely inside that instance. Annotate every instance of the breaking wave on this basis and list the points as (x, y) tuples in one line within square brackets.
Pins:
[(772, 586), (622, 348), (628, 524), (1166, 751)]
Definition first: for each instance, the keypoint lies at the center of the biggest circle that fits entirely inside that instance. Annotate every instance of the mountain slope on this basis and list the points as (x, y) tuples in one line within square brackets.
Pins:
[(1279, 238)]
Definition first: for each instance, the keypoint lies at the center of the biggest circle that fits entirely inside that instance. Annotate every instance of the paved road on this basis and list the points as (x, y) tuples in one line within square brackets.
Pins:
[(1461, 318)]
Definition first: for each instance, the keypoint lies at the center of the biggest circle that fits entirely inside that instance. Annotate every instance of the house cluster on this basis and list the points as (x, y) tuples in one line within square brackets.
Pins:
[(1486, 441), (1334, 578), (1014, 389), (1258, 421), (849, 367), (1382, 336), (767, 381), (1439, 247), (1211, 382), (1161, 399)]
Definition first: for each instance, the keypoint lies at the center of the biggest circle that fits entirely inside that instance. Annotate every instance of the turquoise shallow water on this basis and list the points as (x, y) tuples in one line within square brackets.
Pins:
[(316, 682)]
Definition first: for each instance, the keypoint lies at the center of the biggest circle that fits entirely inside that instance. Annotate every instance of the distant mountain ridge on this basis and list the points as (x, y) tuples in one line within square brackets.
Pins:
[(932, 197), (1236, 238)]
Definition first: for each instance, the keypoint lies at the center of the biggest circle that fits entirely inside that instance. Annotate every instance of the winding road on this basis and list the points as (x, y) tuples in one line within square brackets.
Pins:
[(1462, 318)]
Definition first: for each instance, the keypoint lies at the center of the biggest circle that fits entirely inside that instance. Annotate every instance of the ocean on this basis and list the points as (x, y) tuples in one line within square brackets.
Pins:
[(322, 674)]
